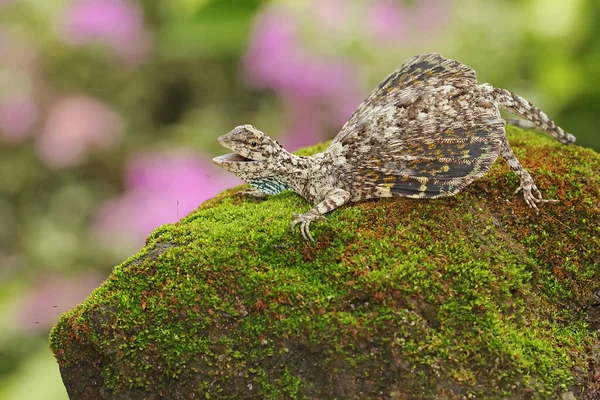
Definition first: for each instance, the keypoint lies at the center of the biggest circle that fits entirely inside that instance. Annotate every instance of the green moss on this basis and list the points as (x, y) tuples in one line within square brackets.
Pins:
[(471, 295)]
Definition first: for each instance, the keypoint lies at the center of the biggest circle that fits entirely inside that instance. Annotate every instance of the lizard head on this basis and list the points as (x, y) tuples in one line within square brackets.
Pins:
[(254, 151)]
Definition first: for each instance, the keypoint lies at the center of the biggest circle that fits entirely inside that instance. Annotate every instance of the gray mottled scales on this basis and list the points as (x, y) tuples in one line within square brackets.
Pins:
[(427, 131)]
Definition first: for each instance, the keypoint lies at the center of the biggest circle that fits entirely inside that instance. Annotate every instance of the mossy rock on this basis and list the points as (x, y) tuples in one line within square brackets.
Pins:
[(473, 296)]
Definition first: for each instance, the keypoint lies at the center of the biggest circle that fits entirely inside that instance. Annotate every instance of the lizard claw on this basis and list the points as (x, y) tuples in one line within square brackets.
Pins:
[(304, 220), (533, 196)]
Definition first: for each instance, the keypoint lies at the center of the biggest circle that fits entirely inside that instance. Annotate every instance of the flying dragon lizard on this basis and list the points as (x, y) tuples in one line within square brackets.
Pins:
[(427, 131)]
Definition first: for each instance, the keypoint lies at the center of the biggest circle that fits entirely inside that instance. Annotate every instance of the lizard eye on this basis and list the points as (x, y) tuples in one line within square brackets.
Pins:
[(253, 144)]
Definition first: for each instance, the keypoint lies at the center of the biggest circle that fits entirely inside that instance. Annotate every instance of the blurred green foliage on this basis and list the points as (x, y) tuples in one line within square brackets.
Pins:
[(206, 28)]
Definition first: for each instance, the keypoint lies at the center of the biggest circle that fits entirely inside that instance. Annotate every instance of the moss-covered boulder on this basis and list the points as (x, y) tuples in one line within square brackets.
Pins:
[(474, 296)]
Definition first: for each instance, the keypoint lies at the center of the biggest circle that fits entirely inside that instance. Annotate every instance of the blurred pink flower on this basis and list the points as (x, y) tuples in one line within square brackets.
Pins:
[(390, 21), (161, 189), (19, 63), (18, 116), (306, 123), (116, 23), (332, 14), (277, 59), (432, 15), (51, 296), (386, 21), (76, 126)]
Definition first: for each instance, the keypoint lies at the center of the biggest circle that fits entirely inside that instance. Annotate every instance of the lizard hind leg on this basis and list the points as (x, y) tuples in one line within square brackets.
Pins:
[(531, 193)]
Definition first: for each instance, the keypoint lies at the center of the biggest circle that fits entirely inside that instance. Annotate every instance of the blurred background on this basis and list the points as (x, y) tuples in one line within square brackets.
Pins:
[(109, 111)]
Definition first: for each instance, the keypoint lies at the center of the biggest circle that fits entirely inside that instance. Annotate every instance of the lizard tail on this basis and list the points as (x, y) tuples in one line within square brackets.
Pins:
[(520, 123), (524, 109)]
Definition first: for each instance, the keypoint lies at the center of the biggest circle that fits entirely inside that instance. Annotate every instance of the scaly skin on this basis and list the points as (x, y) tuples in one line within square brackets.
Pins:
[(428, 130)]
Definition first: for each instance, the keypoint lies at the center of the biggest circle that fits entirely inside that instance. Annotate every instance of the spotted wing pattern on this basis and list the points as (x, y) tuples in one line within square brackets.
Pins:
[(430, 168), (425, 132), (418, 72)]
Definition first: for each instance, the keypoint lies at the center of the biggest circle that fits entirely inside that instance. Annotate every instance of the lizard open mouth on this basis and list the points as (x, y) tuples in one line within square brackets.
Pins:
[(229, 141), (231, 158)]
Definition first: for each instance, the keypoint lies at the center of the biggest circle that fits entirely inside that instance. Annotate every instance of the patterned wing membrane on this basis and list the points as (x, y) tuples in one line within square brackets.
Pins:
[(418, 70), (437, 167), (416, 73)]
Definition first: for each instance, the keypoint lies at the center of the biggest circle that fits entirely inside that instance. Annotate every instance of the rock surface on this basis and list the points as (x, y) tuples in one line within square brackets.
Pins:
[(470, 296)]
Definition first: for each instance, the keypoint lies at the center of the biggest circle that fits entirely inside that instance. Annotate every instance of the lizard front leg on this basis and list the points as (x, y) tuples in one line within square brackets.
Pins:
[(333, 200), (531, 193)]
